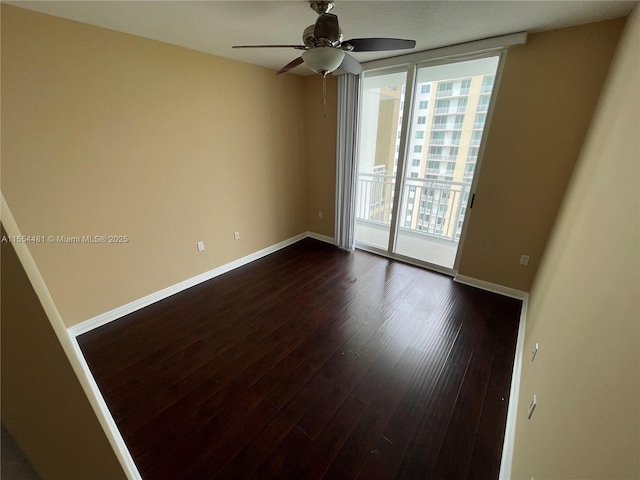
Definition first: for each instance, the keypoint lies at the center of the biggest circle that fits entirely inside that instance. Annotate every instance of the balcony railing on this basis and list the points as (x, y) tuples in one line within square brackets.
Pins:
[(444, 200), (375, 198)]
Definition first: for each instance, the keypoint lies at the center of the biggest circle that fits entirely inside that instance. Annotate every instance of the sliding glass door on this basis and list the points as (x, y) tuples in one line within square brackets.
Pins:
[(418, 150), (379, 145)]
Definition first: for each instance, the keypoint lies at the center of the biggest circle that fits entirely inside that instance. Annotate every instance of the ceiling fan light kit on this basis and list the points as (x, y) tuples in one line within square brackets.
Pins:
[(323, 60)]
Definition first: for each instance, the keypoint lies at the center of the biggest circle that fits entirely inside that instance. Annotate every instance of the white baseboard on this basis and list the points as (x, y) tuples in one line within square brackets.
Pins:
[(514, 393), (322, 238), (121, 448), (491, 287), (119, 312)]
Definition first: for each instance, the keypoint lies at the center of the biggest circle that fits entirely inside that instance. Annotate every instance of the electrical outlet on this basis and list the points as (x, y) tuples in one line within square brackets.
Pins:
[(524, 259), (320, 214), (200, 246), (236, 235)]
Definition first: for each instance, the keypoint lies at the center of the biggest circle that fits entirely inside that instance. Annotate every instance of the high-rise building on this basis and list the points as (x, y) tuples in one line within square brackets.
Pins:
[(448, 121)]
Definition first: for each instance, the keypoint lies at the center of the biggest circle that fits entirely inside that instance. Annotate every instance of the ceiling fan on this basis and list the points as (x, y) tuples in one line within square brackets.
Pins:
[(324, 47)]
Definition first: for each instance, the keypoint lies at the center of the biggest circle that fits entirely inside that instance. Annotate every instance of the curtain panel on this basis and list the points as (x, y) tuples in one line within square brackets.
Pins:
[(346, 160)]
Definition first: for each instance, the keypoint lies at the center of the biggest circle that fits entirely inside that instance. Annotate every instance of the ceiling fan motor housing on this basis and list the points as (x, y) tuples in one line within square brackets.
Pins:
[(308, 38), (321, 6)]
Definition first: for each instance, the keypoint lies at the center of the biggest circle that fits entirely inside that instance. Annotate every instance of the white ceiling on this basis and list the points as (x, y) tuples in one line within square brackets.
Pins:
[(214, 26)]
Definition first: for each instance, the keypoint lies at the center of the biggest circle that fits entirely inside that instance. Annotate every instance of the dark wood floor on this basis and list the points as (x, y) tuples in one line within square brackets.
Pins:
[(313, 363)]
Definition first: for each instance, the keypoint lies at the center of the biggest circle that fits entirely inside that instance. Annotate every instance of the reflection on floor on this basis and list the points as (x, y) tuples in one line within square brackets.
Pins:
[(428, 248)]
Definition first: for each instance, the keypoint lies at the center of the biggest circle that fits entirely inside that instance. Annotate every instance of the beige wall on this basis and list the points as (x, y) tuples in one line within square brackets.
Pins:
[(105, 133), (584, 307), (43, 404), (548, 91), (320, 154)]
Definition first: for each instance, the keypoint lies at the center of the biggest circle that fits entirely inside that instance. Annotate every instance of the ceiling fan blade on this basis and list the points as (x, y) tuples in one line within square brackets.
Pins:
[(290, 66), (327, 27), (379, 44), (350, 65), (299, 47)]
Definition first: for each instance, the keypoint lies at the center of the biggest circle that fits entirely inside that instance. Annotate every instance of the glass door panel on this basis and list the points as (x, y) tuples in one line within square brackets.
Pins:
[(450, 105), (379, 147)]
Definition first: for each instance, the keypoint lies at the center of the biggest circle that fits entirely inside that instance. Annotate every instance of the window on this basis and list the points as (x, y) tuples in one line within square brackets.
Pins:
[(483, 103), (476, 137), (465, 86), (487, 83), (414, 174), (426, 88), (453, 153), (423, 105), (433, 165), (458, 122), (445, 89), (422, 120), (420, 134), (437, 138), (440, 122), (417, 149), (479, 121), (415, 162), (435, 152), (462, 105), (468, 172), (455, 138), (442, 106)]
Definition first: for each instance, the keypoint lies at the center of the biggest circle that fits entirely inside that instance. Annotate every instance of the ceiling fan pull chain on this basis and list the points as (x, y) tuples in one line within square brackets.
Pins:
[(324, 94)]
